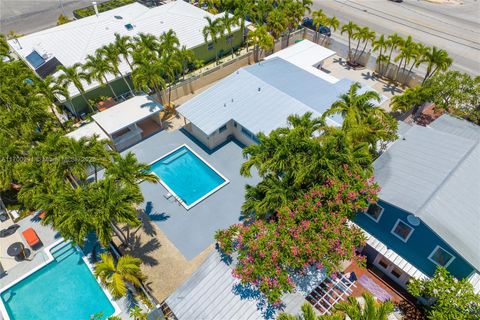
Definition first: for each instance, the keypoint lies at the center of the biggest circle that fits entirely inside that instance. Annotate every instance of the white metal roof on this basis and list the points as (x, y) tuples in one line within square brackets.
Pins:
[(307, 55), (88, 131), (126, 113), (72, 42), (260, 97)]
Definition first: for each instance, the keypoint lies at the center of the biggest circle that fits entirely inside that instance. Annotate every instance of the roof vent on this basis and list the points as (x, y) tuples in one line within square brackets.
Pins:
[(118, 17), (224, 104), (259, 89), (129, 26)]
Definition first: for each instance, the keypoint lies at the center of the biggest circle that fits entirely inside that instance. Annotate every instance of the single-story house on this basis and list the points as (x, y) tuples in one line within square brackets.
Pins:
[(70, 43), (260, 97), (429, 209)]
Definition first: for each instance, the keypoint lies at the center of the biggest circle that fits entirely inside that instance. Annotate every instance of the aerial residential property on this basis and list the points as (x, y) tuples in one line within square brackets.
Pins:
[(239, 160)]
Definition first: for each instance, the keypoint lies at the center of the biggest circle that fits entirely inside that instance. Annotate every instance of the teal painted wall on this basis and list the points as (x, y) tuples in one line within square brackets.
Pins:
[(418, 247)]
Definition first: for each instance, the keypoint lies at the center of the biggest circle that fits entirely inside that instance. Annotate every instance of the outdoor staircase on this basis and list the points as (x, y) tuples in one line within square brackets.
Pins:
[(64, 252)]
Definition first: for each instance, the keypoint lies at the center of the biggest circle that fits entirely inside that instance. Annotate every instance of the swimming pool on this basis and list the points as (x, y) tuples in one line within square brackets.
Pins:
[(187, 176), (63, 289)]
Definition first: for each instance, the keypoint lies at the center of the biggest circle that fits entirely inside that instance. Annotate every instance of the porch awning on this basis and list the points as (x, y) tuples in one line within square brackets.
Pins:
[(127, 113)]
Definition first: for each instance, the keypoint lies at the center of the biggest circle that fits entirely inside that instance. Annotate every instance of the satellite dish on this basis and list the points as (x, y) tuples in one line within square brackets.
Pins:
[(413, 220)]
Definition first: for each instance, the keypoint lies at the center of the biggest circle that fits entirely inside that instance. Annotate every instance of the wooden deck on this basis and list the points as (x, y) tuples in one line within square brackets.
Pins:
[(400, 297)]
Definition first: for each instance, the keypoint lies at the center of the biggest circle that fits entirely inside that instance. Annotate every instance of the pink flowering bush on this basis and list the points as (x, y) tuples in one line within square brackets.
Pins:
[(313, 231)]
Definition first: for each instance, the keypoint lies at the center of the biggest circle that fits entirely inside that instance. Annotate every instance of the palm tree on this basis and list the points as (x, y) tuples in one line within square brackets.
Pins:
[(211, 31), (98, 68), (407, 53), (243, 9), (333, 23), (148, 75), (262, 41), (308, 314), (128, 170), (227, 23), (112, 57), (276, 22), (350, 28), (394, 41), (367, 36), (115, 275), (380, 45), (137, 313), (362, 35), (146, 42), (362, 120), (186, 58), (4, 48), (318, 20), (437, 60), (372, 310), (50, 89), (294, 12), (169, 43), (124, 46), (74, 75)]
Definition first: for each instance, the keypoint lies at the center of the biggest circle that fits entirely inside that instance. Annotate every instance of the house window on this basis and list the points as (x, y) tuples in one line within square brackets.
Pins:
[(210, 46), (250, 135), (222, 128), (441, 257), (397, 273), (402, 230), (374, 212), (384, 263)]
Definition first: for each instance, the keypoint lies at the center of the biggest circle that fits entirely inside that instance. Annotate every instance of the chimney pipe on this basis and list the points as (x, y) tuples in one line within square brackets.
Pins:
[(95, 7)]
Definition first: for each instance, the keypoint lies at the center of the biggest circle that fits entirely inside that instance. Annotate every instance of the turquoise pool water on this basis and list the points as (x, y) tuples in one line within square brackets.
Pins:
[(186, 175), (63, 289)]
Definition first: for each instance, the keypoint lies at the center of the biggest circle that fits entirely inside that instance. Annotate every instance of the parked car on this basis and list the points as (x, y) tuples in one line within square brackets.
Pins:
[(308, 23)]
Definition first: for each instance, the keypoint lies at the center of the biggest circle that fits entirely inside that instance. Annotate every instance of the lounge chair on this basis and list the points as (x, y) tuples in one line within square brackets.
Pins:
[(31, 237)]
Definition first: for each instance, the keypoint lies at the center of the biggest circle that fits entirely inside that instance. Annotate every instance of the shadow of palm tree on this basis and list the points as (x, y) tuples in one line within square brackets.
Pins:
[(368, 76), (389, 87), (148, 226), (143, 250)]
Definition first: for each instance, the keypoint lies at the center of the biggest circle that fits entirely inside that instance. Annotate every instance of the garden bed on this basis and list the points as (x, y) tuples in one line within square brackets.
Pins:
[(105, 6)]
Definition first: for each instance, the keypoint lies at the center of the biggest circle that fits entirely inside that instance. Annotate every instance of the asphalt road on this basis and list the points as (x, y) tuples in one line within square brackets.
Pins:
[(455, 28), (24, 16)]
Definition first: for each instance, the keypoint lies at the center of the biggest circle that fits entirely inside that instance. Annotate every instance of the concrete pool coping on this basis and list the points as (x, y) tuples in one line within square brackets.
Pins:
[(50, 258), (174, 194)]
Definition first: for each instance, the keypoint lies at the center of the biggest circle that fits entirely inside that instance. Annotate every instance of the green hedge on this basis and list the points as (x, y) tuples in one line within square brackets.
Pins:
[(105, 6)]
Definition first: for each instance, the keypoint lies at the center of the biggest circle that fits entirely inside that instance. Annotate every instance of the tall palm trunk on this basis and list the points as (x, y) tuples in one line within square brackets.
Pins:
[(388, 62), (124, 79), (398, 69), (356, 50), (363, 50), (86, 101), (56, 117), (110, 86), (409, 71)]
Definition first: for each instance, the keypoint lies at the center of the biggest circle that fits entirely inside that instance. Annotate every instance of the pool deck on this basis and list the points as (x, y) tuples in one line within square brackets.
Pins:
[(13, 269), (192, 231), (173, 241)]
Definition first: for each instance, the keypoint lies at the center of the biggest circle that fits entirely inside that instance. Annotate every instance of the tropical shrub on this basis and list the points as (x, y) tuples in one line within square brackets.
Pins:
[(452, 299), (311, 232)]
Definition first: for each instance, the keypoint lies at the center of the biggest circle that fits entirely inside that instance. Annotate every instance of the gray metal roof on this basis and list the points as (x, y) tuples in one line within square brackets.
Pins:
[(434, 173), (213, 293), (261, 97)]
